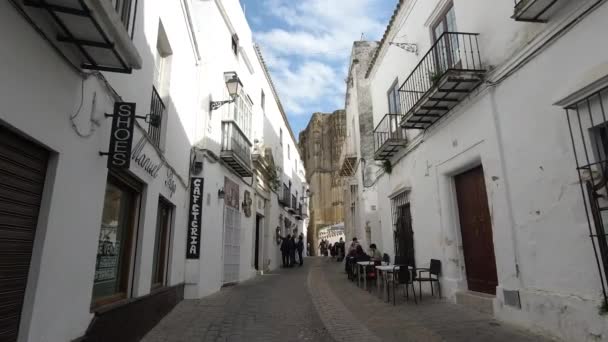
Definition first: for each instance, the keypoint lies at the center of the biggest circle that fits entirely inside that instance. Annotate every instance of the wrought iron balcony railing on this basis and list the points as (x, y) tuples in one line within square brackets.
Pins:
[(450, 70), (532, 10), (157, 109), (285, 196), (236, 149), (389, 137)]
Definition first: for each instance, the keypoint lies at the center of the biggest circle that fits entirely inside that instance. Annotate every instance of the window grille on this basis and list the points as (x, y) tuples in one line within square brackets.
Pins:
[(588, 124)]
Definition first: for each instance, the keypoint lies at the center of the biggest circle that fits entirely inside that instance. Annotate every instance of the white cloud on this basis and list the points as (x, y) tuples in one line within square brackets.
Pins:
[(308, 53)]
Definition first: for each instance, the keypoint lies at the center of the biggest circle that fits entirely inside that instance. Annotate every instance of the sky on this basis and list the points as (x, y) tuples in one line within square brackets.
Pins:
[(306, 45)]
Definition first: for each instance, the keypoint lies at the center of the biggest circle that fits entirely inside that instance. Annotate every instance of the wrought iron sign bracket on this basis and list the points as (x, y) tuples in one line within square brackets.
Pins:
[(148, 118), (214, 105), (409, 47)]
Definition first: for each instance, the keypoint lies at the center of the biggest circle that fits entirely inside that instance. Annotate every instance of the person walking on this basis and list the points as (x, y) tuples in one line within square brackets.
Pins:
[(292, 251), (285, 250), (300, 248)]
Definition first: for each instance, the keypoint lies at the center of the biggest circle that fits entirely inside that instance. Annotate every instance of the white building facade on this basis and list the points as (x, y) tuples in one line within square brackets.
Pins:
[(252, 170), (357, 164), (469, 103), (92, 242)]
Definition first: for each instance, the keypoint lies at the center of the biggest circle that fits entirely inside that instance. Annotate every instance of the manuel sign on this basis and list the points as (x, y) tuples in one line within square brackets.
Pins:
[(121, 138), (193, 246)]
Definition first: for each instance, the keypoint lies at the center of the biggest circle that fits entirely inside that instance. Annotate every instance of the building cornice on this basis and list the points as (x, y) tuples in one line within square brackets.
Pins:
[(258, 53)]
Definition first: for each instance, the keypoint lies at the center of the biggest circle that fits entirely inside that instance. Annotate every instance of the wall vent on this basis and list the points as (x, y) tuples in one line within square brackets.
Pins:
[(512, 298)]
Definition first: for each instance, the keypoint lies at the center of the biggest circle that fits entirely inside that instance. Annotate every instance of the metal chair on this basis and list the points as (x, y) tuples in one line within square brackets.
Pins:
[(433, 271), (405, 277)]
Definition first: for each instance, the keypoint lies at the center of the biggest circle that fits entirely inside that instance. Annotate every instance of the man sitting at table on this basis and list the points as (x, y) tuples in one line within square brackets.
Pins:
[(374, 253)]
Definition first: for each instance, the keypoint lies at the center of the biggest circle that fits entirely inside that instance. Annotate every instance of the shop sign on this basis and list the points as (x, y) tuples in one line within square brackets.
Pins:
[(121, 137), (193, 245), (144, 161), (170, 183)]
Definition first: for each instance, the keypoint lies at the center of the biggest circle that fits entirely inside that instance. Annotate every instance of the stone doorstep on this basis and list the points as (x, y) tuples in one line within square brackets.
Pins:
[(482, 302)]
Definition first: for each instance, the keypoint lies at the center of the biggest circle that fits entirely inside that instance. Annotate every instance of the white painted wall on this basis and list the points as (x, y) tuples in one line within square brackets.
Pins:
[(216, 22), (523, 143), (40, 93)]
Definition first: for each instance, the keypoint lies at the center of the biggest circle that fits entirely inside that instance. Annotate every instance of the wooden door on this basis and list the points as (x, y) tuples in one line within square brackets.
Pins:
[(256, 257), (404, 235), (476, 229), (22, 173)]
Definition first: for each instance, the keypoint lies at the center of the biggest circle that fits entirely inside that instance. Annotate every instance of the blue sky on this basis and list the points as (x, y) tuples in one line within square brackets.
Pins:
[(307, 44)]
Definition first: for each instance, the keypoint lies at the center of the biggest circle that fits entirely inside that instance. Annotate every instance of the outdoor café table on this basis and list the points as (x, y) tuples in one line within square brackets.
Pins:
[(363, 265), (384, 271)]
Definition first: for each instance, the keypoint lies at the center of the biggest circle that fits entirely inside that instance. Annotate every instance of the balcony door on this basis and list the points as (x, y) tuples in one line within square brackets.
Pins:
[(446, 49)]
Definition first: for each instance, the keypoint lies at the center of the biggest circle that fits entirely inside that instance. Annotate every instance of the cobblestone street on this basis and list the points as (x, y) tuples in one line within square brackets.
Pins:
[(318, 303)]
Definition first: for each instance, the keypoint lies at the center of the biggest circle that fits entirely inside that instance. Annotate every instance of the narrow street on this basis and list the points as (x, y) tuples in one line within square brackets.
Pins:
[(318, 303)]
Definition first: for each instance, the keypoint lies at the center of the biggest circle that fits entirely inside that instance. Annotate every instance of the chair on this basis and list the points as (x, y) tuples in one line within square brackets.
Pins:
[(433, 271), (370, 273), (386, 258), (405, 277)]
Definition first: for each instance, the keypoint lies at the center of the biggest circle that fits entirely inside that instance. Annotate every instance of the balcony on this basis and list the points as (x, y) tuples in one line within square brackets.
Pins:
[(389, 137), (532, 10), (285, 196), (448, 72), (91, 34), (236, 149), (348, 160)]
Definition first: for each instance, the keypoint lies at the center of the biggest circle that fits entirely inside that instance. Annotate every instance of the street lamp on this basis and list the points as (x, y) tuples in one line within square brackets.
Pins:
[(233, 83)]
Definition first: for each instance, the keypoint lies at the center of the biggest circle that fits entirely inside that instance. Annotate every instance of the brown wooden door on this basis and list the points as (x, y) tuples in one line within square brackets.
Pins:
[(476, 228), (22, 172)]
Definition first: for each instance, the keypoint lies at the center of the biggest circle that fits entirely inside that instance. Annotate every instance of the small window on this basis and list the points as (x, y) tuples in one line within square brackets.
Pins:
[(288, 152), (394, 103), (160, 261), (281, 136), (445, 23), (263, 101), (235, 44), (164, 54)]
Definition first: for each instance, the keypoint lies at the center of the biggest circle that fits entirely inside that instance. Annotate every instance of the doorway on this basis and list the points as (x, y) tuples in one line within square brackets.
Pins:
[(476, 230), (23, 166), (404, 235), (256, 256)]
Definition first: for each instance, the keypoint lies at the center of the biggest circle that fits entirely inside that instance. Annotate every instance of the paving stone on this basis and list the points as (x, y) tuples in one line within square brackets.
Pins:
[(318, 303)]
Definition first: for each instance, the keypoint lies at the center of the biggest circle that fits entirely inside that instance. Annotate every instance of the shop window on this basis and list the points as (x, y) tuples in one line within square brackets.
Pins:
[(160, 261), (116, 242)]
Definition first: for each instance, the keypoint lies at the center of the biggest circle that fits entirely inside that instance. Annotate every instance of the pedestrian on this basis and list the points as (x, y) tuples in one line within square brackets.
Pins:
[(285, 250), (353, 245), (331, 250), (374, 253), (300, 248), (292, 251), (340, 250)]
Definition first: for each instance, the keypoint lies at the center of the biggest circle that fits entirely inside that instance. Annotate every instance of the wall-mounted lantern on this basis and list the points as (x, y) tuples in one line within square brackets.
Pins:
[(234, 85), (221, 193)]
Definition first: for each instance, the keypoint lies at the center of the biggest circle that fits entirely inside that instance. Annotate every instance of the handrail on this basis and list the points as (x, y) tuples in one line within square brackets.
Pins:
[(452, 51), (431, 49)]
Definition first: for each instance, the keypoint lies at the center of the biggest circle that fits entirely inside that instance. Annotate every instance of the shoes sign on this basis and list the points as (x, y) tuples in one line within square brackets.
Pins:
[(193, 246), (121, 138)]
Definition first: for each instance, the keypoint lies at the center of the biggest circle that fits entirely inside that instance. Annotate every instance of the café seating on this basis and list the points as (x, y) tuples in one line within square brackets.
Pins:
[(406, 277), (433, 272)]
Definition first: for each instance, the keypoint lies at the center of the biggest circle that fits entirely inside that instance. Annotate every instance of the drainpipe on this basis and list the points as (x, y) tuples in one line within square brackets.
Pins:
[(503, 170)]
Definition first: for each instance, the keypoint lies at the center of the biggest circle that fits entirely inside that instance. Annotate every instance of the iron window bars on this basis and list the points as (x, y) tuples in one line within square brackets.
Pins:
[(389, 137), (61, 15), (588, 125), (531, 10), (450, 70), (157, 108)]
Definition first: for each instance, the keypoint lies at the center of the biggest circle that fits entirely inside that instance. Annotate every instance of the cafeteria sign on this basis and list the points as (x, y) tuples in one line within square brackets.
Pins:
[(193, 245)]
